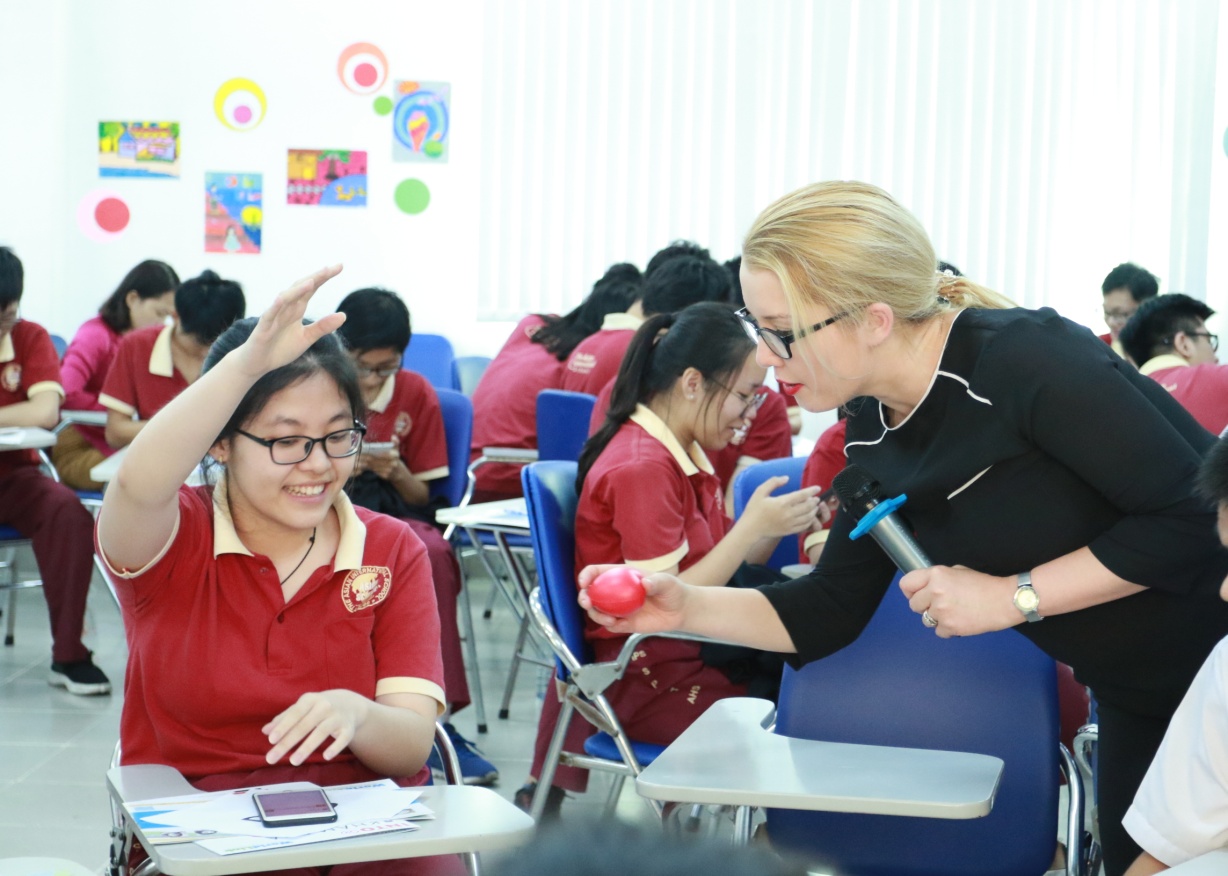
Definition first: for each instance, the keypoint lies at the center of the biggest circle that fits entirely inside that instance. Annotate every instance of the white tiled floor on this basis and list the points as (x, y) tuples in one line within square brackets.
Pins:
[(55, 747)]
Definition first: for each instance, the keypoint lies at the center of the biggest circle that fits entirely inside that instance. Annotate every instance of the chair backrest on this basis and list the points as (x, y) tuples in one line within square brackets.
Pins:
[(60, 345), (457, 413), (562, 423), (550, 498), (467, 371), (899, 684), (431, 356), (749, 479)]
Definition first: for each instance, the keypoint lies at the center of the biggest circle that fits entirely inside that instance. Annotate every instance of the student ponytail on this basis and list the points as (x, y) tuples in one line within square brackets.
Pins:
[(708, 337)]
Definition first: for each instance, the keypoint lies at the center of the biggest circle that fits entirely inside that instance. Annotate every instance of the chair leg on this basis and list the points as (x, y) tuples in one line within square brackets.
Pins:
[(741, 826), (10, 622), (514, 669), (471, 653), (616, 791), (490, 602), (553, 753)]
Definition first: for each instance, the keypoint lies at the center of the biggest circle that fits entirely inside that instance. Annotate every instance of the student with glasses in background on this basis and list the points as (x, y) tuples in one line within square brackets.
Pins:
[(276, 633), (1169, 341), (1124, 289)]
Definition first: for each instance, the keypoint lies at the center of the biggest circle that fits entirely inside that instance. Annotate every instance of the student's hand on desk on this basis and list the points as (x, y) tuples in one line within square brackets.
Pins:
[(314, 718), (787, 514), (280, 337), (962, 601), (663, 607)]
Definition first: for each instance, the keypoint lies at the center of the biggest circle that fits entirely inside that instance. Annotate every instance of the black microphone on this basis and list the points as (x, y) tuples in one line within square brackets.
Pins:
[(861, 496)]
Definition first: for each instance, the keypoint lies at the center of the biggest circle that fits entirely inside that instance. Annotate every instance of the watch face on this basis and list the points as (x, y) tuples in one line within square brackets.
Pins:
[(1026, 599)]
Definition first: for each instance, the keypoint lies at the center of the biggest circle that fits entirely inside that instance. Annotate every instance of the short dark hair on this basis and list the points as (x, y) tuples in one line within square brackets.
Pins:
[(1151, 330), (327, 355), (12, 277), (206, 306), (734, 267), (684, 281), (150, 279), (619, 287), (614, 848), (1139, 282), (1213, 474), (375, 319), (675, 250)]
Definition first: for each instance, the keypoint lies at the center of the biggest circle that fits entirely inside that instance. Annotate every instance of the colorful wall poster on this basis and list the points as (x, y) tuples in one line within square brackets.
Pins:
[(234, 212), (148, 149), (326, 177), (420, 121)]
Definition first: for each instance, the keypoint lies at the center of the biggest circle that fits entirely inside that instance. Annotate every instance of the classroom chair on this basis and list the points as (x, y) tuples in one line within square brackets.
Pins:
[(550, 496), (900, 685), (749, 479), (13, 576), (431, 356), (467, 371), (562, 423), (61, 345)]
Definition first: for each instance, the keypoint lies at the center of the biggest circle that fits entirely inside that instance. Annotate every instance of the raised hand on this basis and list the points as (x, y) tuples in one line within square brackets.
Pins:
[(787, 514), (280, 337)]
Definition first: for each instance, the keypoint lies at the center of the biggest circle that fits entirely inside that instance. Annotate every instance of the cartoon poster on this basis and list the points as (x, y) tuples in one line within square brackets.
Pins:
[(148, 149), (420, 121), (234, 212), (327, 177)]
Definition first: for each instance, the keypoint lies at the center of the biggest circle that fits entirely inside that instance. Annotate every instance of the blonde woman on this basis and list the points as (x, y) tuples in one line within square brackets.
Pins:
[(1005, 428)]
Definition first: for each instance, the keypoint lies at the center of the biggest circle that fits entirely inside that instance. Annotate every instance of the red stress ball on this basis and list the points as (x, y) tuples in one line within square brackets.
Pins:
[(618, 592)]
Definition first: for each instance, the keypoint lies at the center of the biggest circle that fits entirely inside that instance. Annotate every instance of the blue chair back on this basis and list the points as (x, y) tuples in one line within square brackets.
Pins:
[(899, 684), (550, 498), (749, 479), (431, 356), (457, 413), (562, 423), (467, 371), (60, 345)]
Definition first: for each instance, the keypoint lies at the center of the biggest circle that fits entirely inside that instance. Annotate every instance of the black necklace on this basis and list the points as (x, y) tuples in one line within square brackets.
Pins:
[(311, 542)]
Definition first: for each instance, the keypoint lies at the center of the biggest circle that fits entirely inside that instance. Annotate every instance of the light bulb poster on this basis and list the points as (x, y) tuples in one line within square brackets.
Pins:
[(326, 177), (234, 212), (421, 119), (141, 149)]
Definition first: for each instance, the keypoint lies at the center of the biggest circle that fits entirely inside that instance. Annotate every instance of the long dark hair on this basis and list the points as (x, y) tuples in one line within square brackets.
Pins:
[(708, 337), (618, 289), (150, 279), (328, 355)]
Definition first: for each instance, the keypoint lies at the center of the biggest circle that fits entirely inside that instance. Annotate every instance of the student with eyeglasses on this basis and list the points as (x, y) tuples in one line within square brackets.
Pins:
[(1051, 484), (1168, 338), (648, 497), (1125, 288), (276, 633), (403, 411)]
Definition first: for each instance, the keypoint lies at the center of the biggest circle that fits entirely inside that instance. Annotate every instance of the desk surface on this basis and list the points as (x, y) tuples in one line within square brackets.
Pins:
[(25, 439), (506, 515), (104, 472), (1211, 864), (727, 757), (468, 819)]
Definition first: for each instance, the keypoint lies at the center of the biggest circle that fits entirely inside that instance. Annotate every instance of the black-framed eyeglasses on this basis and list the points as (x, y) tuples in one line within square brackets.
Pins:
[(293, 449), (364, 371), (1213, 340), (779, 342), (752, 402)]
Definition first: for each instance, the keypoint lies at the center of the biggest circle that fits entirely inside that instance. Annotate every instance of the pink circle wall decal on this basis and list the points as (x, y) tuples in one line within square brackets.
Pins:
[(362, 68), (111, 214), (102, 215)]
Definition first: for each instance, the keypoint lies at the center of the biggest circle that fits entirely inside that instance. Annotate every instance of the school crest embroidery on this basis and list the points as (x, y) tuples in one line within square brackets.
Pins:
[(366, 587), (403, 424), (10, 378)]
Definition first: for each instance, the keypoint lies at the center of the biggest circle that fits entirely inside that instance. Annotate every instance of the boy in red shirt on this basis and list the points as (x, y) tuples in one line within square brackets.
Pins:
[(47, 513)]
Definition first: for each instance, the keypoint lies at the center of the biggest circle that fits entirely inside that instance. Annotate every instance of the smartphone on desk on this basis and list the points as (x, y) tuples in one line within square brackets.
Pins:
[(291, 808), (378, 446)]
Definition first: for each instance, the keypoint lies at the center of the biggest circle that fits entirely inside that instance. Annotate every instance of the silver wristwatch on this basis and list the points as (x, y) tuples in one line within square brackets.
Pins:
[(1026, 599)]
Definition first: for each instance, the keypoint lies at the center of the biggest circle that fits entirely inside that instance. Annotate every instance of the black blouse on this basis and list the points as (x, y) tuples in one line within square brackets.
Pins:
[(1034, 440)]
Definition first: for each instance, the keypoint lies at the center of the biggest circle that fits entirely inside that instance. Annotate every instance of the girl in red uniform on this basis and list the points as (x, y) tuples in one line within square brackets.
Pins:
[(275, 632), (649, 498)]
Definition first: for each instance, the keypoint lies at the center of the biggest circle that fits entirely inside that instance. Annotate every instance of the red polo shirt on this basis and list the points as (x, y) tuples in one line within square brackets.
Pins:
[(505, 403), (143, 378), (28, 365), (769, 437), (648, 503), (825, 462), (1201, 389), (596, 359), (407, 411), (215, 651)]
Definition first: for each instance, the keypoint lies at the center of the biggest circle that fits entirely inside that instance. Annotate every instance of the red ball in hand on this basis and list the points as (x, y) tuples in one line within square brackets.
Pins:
[(618, 592)]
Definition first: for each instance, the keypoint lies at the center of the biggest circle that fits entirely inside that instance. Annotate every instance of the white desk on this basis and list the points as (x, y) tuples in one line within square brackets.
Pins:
[(1211, 864), (468, 819), (508, 515), (85, 418), (25, 439), (728, 757), (104, 472)]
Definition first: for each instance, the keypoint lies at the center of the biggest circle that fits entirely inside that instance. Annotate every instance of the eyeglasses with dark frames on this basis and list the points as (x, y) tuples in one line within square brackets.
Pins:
[(293, 449), (364, 371), (779, 342), (1213, 340)]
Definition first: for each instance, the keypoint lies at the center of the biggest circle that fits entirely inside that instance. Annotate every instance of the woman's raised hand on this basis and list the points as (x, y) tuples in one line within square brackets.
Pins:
[(778, 516), (280, 337)]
